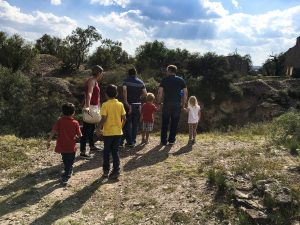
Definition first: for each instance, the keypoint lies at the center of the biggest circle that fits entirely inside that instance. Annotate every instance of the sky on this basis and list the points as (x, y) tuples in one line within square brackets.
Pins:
[(258, 27)]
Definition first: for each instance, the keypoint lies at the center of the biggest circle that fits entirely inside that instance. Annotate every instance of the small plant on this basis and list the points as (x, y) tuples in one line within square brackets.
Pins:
[(293, 146), (211, 177), (243, 219), (219, 179)]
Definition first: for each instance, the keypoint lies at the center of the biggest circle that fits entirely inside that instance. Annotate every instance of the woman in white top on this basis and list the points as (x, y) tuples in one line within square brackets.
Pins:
[(194, 112)]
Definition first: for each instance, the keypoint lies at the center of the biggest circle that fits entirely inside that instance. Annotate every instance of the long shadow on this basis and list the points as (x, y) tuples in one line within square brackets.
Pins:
[(184, 149), (153, 156), (27, 198), (69, 205), (31, 194)]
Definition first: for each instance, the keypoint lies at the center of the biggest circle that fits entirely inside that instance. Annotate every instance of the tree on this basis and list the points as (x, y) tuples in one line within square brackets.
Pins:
[(15, 53), (48, 45), (275, 65), (79, 43), (109, 54), (151, 55), (209, 76)]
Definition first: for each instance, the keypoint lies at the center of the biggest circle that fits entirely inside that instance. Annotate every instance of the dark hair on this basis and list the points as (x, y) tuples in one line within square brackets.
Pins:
[(172, 68), (111, 91), (96, 69), (132, 72), (68, 109)]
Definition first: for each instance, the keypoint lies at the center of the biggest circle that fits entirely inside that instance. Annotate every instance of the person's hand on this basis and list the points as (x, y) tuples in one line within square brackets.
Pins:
[(129, 109)]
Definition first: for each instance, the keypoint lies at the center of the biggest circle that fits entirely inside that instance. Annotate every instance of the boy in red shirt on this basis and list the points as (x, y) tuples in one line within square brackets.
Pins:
[(147, 117), (67, 130)]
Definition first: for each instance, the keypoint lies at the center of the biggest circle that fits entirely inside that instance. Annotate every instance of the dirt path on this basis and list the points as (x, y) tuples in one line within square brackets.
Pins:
[(158, 185)]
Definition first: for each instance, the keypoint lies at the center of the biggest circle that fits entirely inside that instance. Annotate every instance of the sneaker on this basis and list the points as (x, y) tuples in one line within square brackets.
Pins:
[(105, 174), (114, 175), (171, 143), (163, 143), (129, 145), (94, 148), (85, 156), (71, 173), (64, 180)]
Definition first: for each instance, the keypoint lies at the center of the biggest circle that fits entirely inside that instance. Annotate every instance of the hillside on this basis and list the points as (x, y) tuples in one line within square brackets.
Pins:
[(200, 184)]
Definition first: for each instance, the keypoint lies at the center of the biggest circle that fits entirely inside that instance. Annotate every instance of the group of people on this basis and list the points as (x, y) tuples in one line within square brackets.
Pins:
[(121, 118)]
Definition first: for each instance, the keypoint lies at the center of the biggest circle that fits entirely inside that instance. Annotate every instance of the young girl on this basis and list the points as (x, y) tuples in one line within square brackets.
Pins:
[(194, 112), (147, 117)]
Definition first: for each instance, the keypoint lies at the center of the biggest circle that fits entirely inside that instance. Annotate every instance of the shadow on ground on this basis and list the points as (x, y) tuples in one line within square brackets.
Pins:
[(153, 156)]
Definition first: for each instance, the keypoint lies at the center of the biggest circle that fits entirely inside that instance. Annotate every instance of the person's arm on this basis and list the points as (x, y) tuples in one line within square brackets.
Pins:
[(160, 94), (125, 97), (50, 137), (144, 93), (88, 96), (102, 121), (184, 97), (199, 114), (78, 132), (123, 118), (186, 109)]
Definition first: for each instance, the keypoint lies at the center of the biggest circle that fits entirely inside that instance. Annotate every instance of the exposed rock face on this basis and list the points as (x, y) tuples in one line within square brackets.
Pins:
[(262, 101)]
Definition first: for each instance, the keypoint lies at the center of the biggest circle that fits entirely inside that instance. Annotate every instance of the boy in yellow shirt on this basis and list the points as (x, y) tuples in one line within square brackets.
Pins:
[(112, 121)]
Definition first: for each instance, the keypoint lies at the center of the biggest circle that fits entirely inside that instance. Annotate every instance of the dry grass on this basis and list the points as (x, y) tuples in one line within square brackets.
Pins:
[(159, 185)]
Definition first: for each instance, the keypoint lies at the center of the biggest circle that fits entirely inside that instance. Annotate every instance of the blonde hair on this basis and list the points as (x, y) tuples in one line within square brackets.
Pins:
[(150, 97), (193, 101)]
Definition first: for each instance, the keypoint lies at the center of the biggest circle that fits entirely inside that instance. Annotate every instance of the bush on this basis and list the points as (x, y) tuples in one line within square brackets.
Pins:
[(285, 128), (25, 108)]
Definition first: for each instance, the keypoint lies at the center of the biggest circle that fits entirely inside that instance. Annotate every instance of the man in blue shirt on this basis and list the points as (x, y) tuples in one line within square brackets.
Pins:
[(171, 88), (133, 89)]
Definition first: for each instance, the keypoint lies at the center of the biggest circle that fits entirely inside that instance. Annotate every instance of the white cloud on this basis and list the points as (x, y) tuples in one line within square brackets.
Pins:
[(235, 3), (124, 27), (214, 7), (37, 23), (122, 3), (55, 2)]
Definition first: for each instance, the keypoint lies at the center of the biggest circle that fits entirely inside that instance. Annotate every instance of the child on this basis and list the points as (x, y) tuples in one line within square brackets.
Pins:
[(67, 130), (112, 121), (147, 117), (194, 112)]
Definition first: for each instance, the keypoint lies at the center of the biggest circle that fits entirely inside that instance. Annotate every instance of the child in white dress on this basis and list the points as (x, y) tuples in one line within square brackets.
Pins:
[(194, 112)]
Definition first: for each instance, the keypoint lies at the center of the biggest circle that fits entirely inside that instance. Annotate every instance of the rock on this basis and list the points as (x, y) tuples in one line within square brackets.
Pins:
[(256, 215), (109, 216), (240, 194), (250, 204)]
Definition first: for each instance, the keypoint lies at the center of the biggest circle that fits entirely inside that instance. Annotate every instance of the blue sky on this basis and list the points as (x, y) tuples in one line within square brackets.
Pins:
[(256, 27)]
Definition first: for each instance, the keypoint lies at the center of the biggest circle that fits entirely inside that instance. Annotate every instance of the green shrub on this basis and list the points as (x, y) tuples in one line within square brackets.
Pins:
[(293, 145), (26, 109), (285, 127)]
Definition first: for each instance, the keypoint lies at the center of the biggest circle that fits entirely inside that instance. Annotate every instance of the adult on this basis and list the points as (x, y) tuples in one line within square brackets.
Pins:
[(133, 89), (174, 100), (91, 97)]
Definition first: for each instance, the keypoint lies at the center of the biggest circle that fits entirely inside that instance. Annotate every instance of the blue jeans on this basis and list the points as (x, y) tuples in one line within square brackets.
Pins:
[(68, 160), (132, 124), (170, 114), (111, 145), (87, 134)]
